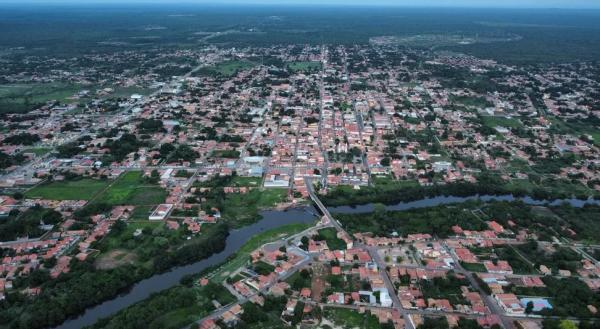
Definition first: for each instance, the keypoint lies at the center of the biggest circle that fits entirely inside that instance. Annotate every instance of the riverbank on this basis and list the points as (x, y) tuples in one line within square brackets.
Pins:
[(174, 303), (390, 194), (446, 200), (143, 289), (84, 285)]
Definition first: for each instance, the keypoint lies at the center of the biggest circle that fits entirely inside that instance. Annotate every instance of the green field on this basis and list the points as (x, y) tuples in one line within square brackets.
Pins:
[(37, 150), (141, 213), (494, 122), (27, 97), (304, 66), (478, 102), (473, 267), (242, 181), (81, 189), (241, 257), (225, 69), (330, 236), (243, 208), (347, 319), (126, 92), (131, 189), (228, 154)]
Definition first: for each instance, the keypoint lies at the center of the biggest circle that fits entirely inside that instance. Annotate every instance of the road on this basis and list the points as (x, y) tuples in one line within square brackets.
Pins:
[(372, 252), (306, 261), (487, 299)]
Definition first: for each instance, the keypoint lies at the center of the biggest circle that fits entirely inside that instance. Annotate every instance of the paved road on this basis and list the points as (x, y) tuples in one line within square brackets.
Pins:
[(507, 323), (408, 323), (372, 251)]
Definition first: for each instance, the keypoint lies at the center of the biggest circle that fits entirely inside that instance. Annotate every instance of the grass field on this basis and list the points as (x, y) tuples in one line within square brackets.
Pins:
[(347, 319), (131, 189), (81, 189), (494, 122), (330, 236), (37, 150), (243, 209), (116, 241), (304, 66), (228, 154), (563, 127), (241, 257), (27, 97), (126, 92), (225, 69), (474, 267), (141, 213), (242, 181), (390, 181), (478, 102)]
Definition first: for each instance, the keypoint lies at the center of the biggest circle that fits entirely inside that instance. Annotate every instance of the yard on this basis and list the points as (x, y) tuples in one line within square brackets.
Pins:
[(78, 189)]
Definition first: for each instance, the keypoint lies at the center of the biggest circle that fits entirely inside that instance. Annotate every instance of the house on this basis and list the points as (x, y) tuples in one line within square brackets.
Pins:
[(509, 303), (161, 211), (498, 267)]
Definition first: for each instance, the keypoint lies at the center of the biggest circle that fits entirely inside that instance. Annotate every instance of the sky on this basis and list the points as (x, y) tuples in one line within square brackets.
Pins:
[(575, 4)]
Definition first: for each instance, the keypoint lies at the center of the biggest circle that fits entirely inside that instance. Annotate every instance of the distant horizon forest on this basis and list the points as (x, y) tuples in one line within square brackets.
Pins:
[(513, 36)]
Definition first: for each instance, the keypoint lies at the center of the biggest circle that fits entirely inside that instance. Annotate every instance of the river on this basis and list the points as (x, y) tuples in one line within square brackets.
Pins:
[(440, 200), (270, 219)]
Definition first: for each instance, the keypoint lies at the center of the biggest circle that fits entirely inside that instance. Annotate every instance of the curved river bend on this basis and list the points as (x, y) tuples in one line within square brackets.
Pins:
[(158, 282), (271, 220)]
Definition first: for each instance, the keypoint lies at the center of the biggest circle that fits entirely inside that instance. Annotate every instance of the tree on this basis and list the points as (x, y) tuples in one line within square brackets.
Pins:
[(385, 162), (567, 324), (529, 307), (150, 126)]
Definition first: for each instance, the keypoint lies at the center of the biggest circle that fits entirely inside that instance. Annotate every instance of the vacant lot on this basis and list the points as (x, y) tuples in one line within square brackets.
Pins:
[(81, 189), (115, 259), (131, 189)]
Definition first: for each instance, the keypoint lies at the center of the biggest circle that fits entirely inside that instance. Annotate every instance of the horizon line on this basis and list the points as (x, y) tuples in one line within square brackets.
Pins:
[(238, 3)]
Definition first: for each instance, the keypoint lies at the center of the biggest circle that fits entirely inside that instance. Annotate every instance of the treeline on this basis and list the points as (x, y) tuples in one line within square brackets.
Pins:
[(68, 295), (394, 193), (21, 139), (85, 286), (433, 220)]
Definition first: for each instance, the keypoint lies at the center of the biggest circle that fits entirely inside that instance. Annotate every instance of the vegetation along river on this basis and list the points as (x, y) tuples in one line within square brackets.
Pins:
[(270, 220)]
